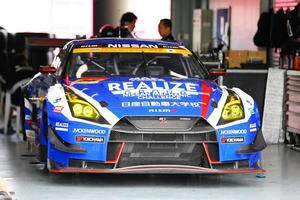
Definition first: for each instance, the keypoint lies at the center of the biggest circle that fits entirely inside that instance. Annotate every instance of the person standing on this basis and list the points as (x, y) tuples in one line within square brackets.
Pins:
[(106, 30), (127, 25), (165, 30)]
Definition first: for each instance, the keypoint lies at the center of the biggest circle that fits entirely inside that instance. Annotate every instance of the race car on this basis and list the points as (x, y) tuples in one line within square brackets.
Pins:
[(139, 106)]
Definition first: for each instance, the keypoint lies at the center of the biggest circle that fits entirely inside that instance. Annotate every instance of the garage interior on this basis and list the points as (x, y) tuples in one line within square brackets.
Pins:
[(257, 41)]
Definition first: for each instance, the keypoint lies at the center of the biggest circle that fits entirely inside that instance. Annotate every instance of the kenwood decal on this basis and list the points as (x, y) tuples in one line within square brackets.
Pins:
[(234, 131), (88, 131)]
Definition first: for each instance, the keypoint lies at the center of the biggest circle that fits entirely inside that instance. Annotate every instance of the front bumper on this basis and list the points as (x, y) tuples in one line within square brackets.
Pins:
[(193, 153)]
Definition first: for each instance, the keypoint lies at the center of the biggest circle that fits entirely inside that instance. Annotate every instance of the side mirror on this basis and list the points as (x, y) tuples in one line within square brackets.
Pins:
[(216, 72), (47, 70)]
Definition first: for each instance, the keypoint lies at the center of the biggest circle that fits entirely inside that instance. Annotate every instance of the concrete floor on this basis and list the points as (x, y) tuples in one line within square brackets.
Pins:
[(28, 181)]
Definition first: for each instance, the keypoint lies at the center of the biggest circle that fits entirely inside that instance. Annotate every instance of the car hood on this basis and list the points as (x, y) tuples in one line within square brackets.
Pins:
[(143, 96)]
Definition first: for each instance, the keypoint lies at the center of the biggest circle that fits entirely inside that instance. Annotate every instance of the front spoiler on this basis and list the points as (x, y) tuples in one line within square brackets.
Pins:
[(160, 169)]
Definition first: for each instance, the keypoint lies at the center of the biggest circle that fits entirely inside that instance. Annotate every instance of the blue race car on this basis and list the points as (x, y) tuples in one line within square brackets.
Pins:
[(139, 106)]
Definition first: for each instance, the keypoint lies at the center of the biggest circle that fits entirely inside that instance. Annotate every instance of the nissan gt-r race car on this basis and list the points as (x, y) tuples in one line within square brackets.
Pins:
[(139, 106)]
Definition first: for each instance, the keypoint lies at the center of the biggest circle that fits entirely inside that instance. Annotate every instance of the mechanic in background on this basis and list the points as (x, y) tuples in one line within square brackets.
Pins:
[(19, 74), (127, 25), (106, 30), (165, 30)]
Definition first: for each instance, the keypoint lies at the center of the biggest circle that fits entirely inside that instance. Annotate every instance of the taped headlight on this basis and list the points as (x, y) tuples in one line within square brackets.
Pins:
[(81, 108), (233, 109)]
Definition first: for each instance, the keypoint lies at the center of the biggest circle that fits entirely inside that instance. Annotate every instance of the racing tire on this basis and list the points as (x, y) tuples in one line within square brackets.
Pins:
[(42, 153), (22, 106), (297, 140), (290, 138)]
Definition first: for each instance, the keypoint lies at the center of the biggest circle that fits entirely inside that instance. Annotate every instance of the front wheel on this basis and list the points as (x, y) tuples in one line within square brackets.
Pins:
[(42, 147)]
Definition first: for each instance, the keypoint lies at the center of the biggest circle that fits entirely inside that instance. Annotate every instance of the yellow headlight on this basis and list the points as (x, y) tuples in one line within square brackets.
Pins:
[(77, 109), (88, 111), (81, 108), (233, 109), (236, 111)]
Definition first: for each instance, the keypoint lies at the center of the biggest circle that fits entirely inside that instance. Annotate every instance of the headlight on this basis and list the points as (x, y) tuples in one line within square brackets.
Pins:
[(233, 109), (81, 108)]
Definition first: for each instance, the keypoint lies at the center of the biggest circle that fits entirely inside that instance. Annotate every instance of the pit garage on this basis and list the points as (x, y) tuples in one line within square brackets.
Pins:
[(200, 100)]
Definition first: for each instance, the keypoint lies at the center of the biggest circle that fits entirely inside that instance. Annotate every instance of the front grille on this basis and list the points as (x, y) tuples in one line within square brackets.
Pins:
[(171, 140), (163, 123), (162, 154), (126, 131)]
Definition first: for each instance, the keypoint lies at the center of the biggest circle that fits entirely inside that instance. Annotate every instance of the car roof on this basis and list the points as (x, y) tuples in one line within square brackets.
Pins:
[(122, 41)]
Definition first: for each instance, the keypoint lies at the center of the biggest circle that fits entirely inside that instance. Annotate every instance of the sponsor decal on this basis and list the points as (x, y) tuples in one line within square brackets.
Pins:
[(249, 102), (153, 85), (253, 125), (139, 48), (89, 46), (61, 126), (132, 46), (155, 89), (89, 139), (185, 119), (88, 131), (161, 103), (90, 80), (170, 47), (233, 140), (146, 79), (57, 100), (163, 120), (234, 131), (162, 110), (58, 109), (251, 110)]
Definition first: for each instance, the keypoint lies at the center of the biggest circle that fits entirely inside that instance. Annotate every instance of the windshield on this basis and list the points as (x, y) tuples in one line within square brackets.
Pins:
[(87, 64)]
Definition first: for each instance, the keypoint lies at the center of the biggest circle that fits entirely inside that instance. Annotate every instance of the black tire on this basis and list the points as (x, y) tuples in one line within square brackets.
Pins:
[(297, 140), (43, 149), (23, 115), (290, 139)]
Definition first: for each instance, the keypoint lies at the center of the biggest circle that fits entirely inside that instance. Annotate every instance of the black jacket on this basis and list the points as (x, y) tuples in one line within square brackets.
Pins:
[(169, 38), (123, 32)]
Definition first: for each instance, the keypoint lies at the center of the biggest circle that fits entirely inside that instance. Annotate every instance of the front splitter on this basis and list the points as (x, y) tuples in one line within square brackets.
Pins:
[(160, 169)]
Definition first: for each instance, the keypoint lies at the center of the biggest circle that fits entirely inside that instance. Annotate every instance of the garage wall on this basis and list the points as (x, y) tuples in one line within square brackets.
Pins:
[(108, 12), (244, 18), (148, 12), (64, 18)]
